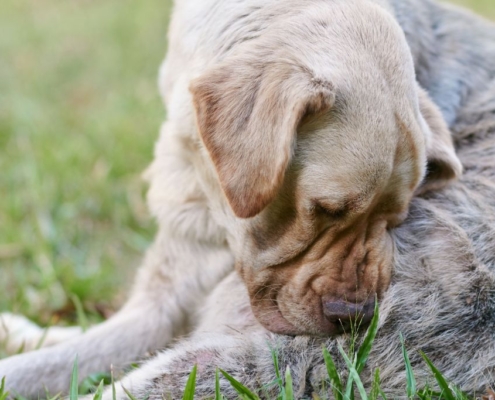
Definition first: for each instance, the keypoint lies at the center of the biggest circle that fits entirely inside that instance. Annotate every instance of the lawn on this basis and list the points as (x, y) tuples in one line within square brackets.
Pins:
[(79, 112), (483, 7)]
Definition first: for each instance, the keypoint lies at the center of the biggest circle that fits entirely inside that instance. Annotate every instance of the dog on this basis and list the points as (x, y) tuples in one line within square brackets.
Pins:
[(442, 296), (296, 138), (311, 140)]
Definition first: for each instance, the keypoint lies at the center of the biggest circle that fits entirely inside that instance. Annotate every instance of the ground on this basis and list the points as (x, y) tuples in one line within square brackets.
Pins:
[(79, 112)]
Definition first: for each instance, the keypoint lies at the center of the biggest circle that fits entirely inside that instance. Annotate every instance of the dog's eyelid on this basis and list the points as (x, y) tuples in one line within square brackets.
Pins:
[(335, 212)]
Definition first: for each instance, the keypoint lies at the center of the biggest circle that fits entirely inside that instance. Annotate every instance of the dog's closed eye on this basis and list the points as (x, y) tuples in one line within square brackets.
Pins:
[(334, 213)]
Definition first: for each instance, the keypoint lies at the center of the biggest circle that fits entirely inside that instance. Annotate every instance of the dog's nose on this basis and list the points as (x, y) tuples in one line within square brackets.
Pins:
[(344, 314)]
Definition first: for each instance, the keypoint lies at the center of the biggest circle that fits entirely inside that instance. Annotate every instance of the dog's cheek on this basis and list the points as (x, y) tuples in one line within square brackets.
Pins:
[(302, 308)]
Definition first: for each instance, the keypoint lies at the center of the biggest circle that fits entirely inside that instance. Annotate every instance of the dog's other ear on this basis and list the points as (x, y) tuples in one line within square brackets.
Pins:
[(247, 115), (443, 164)]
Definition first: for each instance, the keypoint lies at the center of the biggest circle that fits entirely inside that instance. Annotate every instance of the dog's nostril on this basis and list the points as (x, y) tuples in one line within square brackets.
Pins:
[(346, 313)]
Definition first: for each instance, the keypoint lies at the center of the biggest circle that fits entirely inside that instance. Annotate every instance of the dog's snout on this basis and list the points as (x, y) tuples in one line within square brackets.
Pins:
[(344, 314)]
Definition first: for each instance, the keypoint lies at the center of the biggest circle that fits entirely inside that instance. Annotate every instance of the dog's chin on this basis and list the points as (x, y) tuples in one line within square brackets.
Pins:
[(274, 321)]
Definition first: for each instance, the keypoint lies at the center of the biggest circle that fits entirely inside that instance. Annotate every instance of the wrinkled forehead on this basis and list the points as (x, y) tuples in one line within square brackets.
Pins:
[(359, 153), (346, 139)]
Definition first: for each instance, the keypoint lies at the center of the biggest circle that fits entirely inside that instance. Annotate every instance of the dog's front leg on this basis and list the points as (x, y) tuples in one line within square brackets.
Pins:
[(176, 276), (227, 336)]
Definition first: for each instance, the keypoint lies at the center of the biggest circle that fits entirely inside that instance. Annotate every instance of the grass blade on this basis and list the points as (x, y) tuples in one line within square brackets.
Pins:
[(21, 347), (427, 393), (365, 348), (82, 319), (99, 391), (442, 383), (190, 385), (112, 382), (375, 387), (333, 375), (410, 380), (3, 393), (289, 389), (129, 394), (239, 387), (218, 396), (90, 384), (459, 394), (277, 369), (353, 377), (42, 339), (74, 380)]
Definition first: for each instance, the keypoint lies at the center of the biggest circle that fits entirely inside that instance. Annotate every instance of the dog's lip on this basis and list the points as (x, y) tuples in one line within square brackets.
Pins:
[(275, 321), (287, 328)]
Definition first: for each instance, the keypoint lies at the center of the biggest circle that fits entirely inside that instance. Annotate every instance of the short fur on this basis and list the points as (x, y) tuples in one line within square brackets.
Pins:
[(441, 298)]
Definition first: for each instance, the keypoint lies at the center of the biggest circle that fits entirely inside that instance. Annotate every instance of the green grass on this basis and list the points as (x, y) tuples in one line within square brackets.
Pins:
[(79, 113), (439, 389), (483, 7)]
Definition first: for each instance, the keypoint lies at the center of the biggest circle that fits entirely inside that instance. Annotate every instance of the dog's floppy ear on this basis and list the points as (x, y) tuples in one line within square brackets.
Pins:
[(443, 164), (247, 115)]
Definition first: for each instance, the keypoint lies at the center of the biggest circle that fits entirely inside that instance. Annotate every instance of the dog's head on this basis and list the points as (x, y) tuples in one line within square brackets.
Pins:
[(319, 137)]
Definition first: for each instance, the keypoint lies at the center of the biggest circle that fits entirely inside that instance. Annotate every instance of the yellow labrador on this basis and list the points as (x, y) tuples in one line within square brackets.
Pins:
[(318, 137)]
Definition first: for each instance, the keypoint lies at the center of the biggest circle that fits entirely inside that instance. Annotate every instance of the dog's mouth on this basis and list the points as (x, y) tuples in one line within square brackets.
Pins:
[(332, 316), (273, 320), (265, 306)]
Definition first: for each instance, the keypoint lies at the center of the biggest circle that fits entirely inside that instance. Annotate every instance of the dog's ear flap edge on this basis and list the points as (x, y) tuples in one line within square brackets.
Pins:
[(443, 165)]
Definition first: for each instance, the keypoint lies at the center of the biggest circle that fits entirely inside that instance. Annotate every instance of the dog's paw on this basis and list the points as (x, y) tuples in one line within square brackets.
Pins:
[(19, 334)]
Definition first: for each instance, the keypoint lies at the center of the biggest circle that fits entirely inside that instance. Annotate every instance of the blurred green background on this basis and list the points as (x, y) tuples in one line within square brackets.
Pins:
[(79, 112)]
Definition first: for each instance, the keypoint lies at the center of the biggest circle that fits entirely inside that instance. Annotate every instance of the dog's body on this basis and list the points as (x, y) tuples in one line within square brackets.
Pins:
[(190, 255)]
